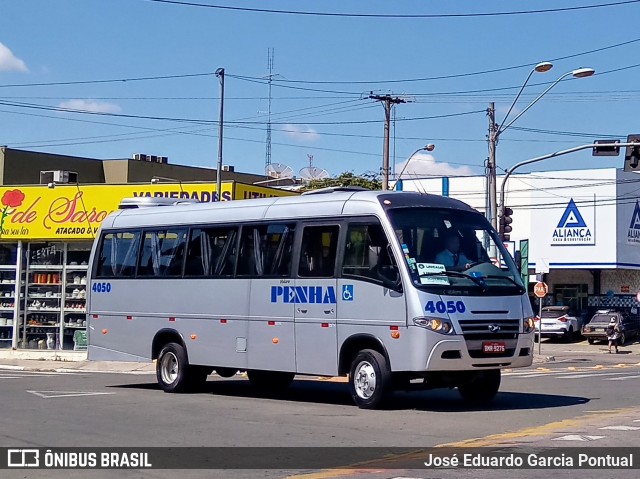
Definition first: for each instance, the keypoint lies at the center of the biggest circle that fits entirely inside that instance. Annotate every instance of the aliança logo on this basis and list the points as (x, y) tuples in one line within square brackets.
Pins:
[(572, 228), (633, 235)]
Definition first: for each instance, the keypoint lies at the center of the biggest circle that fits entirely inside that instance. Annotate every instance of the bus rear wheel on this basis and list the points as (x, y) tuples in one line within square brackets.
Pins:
[(481, 388), (369, 379), (173, 372)]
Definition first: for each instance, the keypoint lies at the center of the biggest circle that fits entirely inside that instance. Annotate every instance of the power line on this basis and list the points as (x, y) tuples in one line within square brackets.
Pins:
[(394, 15)]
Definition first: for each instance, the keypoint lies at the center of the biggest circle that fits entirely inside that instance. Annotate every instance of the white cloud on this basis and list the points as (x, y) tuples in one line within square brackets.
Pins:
[(90, 105), (423, 164), (9, 62), (299, 132)]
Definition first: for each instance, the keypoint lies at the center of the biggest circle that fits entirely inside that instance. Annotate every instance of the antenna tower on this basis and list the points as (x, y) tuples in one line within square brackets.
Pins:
[(267, 156)]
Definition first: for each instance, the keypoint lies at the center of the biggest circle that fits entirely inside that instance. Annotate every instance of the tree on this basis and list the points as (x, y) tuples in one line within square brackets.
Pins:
[(368, 180)]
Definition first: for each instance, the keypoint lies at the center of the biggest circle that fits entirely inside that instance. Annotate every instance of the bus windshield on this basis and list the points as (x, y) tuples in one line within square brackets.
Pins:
[(454, 252)]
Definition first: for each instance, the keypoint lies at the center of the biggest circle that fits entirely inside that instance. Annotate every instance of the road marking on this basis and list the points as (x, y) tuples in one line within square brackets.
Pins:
[(11, 377), (64, 394), (588, 375), (577, 437), (545, 429), (620, 428), (622, 378)]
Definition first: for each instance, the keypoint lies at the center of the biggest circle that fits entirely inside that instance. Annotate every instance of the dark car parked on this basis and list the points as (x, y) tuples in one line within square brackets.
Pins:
[(596, 329)]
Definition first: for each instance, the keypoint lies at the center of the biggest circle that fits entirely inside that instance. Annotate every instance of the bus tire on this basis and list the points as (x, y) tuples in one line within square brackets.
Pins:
[(173, 372), (370, 379), (481, 388), (270, 381)]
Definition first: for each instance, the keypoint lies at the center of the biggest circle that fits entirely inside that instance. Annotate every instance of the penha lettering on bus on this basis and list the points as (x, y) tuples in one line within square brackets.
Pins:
[(202, 196), (303, 294)]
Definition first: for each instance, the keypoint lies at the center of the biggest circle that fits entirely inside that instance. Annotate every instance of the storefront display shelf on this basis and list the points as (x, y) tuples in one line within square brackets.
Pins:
[(78, 267), (47, 267), (7, 267), (6, 309), (45, 284), (43, 310)]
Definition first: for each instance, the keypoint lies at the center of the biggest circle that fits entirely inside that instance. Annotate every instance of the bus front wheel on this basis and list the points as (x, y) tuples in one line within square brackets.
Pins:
[(174, 373), (369, 379), (481, 388)]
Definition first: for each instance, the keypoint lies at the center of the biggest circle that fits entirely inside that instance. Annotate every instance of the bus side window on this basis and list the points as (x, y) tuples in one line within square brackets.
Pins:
[(318, 253), (367, 254), (210, 252), (118, 254)]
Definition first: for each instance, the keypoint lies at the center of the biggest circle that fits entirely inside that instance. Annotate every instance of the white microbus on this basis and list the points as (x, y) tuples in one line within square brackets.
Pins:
[(392, 289)]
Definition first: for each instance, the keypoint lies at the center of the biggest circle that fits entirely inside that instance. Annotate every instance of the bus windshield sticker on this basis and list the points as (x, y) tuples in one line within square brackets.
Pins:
[(429, 273), (405, 249)]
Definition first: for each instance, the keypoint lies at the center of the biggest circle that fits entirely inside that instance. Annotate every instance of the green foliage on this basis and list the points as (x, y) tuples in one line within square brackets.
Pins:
[(370, 181)]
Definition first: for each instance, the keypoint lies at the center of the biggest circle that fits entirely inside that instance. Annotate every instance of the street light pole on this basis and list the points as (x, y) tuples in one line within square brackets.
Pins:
[(220, 74), (494, 134), (495, 131), (552, 155), (429, 147)]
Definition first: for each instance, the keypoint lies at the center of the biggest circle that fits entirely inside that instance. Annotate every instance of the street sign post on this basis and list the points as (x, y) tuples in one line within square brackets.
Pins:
[(540, 290)]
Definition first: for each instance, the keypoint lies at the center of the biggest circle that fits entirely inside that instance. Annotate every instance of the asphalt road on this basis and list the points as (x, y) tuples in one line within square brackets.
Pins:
[(569, 402)]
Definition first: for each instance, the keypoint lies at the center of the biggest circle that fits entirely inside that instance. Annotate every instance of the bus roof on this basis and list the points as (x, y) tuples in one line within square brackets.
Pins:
[(325, 203)]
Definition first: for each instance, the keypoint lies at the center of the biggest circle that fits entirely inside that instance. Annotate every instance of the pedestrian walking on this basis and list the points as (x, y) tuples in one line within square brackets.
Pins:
[(613, 334)]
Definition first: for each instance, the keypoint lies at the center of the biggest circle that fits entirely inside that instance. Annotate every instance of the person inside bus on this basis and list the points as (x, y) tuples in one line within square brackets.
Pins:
[(452, 256)]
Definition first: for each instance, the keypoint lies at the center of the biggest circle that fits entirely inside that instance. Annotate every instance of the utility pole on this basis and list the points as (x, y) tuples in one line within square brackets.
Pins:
[(492, 212), (387, 101), (220, 74), (267, 157)]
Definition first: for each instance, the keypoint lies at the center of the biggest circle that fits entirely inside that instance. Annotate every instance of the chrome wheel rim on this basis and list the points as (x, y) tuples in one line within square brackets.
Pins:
[(169, 368), (364, 380)]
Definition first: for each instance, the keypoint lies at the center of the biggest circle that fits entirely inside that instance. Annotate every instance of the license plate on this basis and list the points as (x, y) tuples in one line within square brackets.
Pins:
[(493, 348)]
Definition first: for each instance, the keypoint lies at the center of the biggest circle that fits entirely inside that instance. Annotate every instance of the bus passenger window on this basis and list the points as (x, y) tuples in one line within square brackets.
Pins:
[(318, 253), (265, 250), (366, 254), (118, 254), (162, 253), (210, 252)]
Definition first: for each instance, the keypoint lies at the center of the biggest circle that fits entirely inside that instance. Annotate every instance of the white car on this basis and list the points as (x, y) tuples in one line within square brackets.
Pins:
[(558, 322)]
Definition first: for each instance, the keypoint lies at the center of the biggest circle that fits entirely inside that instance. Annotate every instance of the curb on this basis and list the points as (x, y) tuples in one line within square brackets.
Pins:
[(7, 367)]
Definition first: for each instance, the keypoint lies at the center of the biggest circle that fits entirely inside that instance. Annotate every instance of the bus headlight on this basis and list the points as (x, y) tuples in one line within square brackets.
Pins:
[(439, 325), (528, 325)]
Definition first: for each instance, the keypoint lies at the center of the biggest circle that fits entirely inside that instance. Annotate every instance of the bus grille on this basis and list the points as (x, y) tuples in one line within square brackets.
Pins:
[(489, 329)]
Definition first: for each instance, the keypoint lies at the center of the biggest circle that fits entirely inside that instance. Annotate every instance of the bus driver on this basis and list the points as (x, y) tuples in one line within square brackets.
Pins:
[(452, 256)]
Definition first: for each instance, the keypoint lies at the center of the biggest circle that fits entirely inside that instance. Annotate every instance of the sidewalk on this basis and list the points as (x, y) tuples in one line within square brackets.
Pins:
[(578, 354), (68, 361)]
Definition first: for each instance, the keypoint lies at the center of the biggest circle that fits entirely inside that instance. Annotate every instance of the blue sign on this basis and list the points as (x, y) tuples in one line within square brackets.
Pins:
[(572, 229), (303, 294), (572, 217), (347, 292)]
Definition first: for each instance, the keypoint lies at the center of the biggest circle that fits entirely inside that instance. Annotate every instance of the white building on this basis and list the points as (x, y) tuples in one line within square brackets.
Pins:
[(583, 225)]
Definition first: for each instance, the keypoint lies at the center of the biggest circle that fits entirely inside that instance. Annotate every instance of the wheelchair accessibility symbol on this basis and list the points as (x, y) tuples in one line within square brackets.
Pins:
[(347, 292)]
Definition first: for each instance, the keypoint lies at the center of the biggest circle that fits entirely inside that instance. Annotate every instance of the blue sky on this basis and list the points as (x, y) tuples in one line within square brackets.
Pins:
[(324, 70)]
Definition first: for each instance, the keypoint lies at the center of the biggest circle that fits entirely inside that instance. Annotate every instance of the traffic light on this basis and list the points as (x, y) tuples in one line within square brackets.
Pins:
[(632, 153), (505, 224)]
